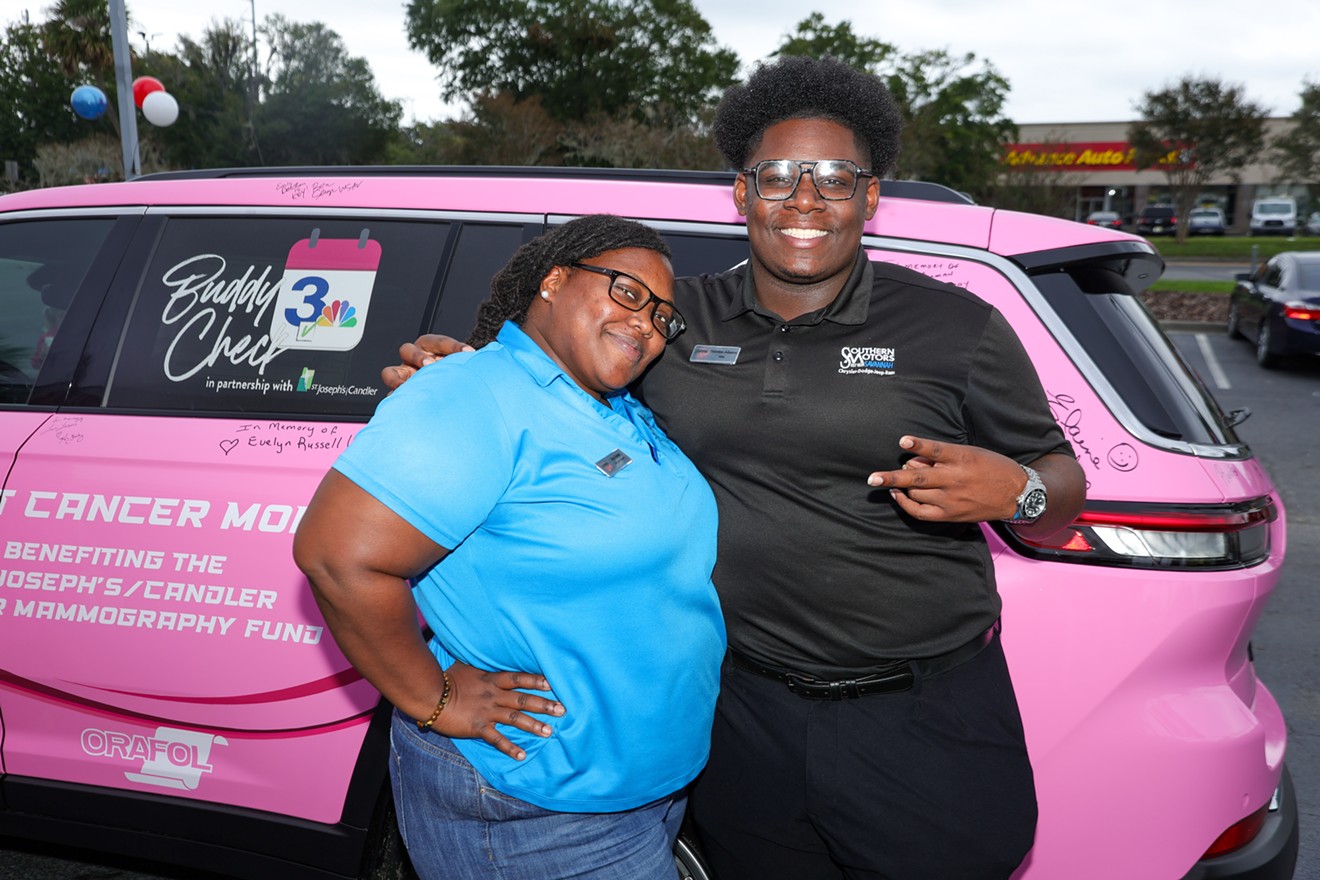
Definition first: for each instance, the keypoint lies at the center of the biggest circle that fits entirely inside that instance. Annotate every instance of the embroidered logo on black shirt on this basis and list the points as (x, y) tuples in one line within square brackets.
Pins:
[(874, 360)]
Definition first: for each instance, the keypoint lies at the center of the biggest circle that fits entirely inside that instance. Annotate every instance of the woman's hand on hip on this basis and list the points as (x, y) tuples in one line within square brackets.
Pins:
[(479, 700)]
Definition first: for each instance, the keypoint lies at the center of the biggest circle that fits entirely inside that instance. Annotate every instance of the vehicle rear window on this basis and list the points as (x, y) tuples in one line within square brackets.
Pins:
[(42, 263), (1135, 356), (275, 315), (1308, 276)]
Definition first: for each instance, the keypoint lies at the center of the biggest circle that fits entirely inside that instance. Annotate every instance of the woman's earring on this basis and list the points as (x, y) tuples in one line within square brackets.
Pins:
[(545, 295)]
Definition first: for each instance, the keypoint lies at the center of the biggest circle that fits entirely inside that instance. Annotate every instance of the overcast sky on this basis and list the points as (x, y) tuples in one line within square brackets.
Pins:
[(1065, 61)]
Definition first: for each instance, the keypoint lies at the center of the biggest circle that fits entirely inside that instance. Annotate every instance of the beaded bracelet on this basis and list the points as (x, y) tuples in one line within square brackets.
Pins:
[(439, 707)]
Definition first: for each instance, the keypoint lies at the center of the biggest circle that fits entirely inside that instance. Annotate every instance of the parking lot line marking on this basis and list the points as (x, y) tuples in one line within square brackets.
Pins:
[(1212, 362)]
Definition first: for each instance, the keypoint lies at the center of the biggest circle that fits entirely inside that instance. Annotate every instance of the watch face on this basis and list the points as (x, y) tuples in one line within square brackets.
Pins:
[(1034, 504)]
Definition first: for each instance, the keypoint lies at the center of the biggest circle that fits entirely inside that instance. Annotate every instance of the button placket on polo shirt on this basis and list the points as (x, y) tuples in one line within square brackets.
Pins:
[(777, 361)]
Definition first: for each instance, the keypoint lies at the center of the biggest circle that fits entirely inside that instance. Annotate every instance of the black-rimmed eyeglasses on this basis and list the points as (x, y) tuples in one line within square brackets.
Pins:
[(634, 296), (777, 179)]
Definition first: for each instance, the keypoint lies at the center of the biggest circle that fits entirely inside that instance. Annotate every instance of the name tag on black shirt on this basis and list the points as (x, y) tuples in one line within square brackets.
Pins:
[(715, 354)]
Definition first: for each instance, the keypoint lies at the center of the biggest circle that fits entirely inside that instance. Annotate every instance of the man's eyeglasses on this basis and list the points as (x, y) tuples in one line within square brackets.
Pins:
[(777, 179), (634, 296)]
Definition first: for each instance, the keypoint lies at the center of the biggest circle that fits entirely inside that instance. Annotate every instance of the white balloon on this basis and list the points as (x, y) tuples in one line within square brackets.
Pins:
[(160, 108)]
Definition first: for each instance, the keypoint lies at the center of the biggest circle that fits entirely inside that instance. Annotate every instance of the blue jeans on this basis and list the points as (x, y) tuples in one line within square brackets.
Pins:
[(457, 827)]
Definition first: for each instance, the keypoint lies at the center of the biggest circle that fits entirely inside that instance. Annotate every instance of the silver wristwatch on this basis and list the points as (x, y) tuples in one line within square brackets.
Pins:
[(1031, 503)]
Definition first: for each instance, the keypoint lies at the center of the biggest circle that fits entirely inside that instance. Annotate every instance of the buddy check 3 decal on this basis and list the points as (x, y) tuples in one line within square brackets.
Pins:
[(325, 293)]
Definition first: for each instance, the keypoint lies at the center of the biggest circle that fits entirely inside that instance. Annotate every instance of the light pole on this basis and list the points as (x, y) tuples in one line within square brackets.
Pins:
[(252, 88), (128, 133)]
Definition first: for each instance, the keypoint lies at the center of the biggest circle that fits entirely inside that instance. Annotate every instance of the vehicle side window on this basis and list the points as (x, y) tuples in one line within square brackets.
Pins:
[(1274, 274), (42, 262), (481, 251), (705, 254), (275, 315)]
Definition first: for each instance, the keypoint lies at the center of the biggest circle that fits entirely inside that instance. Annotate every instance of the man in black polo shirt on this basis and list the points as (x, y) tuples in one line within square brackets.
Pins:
[(856, 421)]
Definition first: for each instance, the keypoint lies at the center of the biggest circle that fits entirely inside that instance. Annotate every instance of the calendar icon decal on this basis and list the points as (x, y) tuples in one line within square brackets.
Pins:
[(325, 293)]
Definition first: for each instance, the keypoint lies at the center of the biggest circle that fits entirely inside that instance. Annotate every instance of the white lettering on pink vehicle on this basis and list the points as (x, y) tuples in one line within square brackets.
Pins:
[(172, 758)]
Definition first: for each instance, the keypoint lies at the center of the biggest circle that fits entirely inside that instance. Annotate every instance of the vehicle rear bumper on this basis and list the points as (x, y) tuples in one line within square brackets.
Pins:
[(1271, 856)]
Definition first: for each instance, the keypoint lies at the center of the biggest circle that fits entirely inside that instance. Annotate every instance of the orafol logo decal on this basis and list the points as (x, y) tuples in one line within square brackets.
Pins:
[(171, 758), (876, 361)]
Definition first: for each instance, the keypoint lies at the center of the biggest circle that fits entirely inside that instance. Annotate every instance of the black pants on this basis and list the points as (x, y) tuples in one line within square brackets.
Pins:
[(927, 784)]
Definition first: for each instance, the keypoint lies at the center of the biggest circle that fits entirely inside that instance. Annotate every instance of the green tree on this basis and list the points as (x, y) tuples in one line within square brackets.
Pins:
[(320, 105), (35, 88), (649, 58), (1196, 129), (815, 38), (77, 35), (212, 79), (1297, 151), (953, 106)]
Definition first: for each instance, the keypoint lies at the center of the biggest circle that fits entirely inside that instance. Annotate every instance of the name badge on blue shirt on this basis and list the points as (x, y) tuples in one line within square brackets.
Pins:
[(714, 354), (613, 463)]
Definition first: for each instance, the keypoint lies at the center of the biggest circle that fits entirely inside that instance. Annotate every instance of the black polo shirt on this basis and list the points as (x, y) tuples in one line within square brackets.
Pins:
[(816, 570)]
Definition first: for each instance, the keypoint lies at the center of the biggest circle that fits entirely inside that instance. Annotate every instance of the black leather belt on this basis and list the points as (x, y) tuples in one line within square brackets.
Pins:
[(897, 677)]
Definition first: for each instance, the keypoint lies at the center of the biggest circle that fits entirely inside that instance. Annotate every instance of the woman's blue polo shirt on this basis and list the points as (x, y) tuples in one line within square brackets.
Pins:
[(582, 542)]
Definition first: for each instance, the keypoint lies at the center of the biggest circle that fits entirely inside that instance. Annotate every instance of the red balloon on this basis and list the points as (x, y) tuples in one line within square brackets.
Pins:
[(145, 85)]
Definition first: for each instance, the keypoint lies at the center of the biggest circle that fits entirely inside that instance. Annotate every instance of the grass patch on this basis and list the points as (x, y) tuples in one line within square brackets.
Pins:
[(1232, 248), (1194, 286)]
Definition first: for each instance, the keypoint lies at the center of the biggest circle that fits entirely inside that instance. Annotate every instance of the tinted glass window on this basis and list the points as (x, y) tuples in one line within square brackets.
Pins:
[(288, 316), (482, 250), (1137, 359), (1308, 276), (1274, 274), (42, 262), (705, 254)]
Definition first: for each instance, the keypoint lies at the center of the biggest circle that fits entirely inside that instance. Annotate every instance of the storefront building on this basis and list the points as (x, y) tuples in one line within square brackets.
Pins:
[(1095, 160)]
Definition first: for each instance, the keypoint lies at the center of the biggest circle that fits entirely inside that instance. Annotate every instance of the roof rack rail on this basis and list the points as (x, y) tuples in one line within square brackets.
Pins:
[(900, 189)]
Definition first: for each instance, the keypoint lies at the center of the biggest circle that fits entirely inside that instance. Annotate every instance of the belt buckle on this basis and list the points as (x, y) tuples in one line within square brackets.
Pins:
[(802, 686)]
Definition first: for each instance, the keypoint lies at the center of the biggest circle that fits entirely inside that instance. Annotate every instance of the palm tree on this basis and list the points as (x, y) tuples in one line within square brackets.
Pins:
[(77, 35)]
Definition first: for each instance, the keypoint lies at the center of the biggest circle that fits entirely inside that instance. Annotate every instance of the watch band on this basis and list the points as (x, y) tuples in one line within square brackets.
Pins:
[(1031, 503)]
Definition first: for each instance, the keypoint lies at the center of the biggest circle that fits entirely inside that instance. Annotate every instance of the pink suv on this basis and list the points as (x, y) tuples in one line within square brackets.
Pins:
[(167, 686)]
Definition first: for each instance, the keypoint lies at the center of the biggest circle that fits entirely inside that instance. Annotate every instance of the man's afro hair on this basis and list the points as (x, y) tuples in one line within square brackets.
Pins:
[(796, 87)]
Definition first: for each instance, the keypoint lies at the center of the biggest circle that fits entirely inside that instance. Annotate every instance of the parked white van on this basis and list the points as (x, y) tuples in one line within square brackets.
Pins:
[(1274, 216)]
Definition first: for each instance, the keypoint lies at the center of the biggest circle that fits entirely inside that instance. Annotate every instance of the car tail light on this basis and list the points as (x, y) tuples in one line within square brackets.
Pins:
[(1238, 835), (1219, 536), (1300, 311)]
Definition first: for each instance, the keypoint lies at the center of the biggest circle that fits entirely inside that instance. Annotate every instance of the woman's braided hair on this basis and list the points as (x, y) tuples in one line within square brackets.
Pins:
[(795, 87), (513, 287)]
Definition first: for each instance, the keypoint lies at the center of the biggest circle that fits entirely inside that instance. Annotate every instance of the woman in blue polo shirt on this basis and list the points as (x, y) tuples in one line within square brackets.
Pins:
[(551, 528)]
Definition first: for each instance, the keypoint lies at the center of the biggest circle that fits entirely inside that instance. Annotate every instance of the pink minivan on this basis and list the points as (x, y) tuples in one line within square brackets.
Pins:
[(167, 685)]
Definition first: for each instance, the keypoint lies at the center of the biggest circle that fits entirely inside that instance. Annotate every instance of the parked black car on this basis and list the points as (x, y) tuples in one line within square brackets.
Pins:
[(1157, 220), (1278, 307)]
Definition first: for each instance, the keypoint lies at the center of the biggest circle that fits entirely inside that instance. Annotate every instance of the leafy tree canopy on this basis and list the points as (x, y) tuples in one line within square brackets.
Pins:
[(1297, 152), (953, 106), (1193, 130), (579, 58), (35, 89), (319, 104)]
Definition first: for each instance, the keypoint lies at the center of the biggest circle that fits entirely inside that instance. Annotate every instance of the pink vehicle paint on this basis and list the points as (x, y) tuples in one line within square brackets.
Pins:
[(183, 356)]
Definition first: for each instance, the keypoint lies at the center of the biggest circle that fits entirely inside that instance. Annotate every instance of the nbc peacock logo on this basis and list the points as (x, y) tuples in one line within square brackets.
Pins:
[(337, 314)]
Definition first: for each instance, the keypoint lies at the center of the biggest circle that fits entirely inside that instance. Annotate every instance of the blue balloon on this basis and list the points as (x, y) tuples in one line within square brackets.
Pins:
[(88, 102)]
